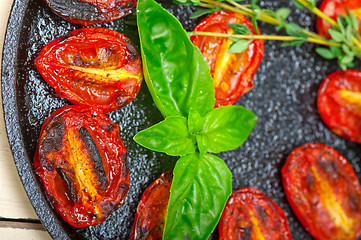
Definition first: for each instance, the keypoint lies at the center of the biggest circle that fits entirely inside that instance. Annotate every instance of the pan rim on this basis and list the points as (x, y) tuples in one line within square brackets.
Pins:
[(12, 123)]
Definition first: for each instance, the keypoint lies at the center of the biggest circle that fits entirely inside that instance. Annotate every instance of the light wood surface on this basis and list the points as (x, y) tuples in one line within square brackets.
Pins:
[(14, 203)]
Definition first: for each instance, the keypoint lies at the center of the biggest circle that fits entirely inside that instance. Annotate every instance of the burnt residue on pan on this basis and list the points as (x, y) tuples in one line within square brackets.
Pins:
[(284, 98)]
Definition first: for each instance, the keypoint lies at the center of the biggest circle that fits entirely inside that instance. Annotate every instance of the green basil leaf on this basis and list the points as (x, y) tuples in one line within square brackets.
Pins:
[(325, 53), (239, 46), (175, 71), (200, 189), (170, 136), (239, 28), (195, 122), (202, 11), (226, 128)]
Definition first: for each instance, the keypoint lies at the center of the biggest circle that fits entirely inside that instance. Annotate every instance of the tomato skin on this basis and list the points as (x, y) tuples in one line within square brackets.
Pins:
[(339, 103), (250, 214), (152, 210), (81, 161), (97, 67), (235, 78), (87, 12), (334, 8), (323, 191)]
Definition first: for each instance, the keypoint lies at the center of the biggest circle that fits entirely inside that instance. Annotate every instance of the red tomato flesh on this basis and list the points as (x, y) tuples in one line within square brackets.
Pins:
[(86, 12), (81, 162), (334, 8), (323, 191), (250, 214), (152, 210), (97, 67), (339, 103), (232, 72)]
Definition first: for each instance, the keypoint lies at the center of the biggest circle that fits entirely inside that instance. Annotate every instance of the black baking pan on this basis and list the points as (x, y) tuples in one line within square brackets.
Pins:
[(284, 98)]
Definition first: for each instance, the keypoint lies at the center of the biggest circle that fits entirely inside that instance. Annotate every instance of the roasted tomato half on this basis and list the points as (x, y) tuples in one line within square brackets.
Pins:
[(334, 8), (86, 12), (152, 210), (323, 191), (97, 67), (339, 103), (81, 162), (250, 214), (232, 72)]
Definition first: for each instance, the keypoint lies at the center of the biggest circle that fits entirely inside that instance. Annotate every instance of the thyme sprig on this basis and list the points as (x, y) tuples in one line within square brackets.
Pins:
[(344, 45)]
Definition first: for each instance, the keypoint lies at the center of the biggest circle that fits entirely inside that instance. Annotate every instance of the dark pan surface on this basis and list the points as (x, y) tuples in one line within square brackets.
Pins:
[(284, 98)]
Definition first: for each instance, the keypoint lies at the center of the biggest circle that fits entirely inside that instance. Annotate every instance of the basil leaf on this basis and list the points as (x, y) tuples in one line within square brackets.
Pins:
[(175, 71), (200, 189), (170, 136), (226, 128), (195, 122)]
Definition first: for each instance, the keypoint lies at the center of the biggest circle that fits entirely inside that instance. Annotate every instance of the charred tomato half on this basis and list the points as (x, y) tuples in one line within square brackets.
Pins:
[(334, 8), (250, 214), (87, 12), (152, 210), (97, 67), (323, 191), (81, 162), (232, 72), (339, 103)]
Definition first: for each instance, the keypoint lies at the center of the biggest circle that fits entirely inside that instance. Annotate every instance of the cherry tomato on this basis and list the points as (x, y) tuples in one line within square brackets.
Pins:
[(81, 162), (323, 191), (339, 103), (334, 8), (250, 214), (232, 72), (152, 210), (97, 67), (86, 12)]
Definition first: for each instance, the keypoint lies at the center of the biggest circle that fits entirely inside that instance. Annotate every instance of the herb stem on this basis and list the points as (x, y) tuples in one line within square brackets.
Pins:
[(318, 12), (357, 43), (244, 9), (205, 5), (266, 37)]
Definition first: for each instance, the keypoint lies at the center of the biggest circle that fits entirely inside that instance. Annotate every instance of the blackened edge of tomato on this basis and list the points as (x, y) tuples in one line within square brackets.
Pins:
[(69, 183), (83, 13), (95, 157), (52, 140)]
